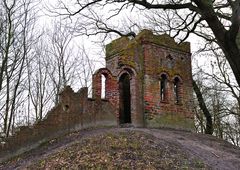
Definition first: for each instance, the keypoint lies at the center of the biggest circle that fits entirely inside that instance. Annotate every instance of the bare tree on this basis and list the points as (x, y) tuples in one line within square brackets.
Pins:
[(205, 110), (16, 40), (221, 93), (35, 65), (38, 89), (86, 67), (215, 21), (59, 62), (56, 61)]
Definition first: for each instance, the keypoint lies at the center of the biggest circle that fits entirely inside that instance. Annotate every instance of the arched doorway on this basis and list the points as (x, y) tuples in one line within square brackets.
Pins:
[(125, 99)]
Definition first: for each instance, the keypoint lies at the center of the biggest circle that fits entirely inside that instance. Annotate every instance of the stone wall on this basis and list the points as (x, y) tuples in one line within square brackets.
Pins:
[(75, 111), (149, 56)]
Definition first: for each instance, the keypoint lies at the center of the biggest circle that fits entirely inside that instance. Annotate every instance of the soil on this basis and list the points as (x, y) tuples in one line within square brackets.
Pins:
[(130, 148)]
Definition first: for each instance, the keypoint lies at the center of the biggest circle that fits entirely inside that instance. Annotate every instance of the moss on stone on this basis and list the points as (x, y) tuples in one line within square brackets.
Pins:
[(172, 120), (116, 46), (124, 45), (164, 40)]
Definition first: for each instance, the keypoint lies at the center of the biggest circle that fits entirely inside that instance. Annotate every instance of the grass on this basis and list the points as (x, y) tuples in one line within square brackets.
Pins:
[(122, 150)]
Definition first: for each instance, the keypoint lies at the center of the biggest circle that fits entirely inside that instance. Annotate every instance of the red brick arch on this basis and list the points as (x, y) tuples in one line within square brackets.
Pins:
[(164, 73), (134, 95), (106, 72), (128, 70), (97, 83), (179, 77)]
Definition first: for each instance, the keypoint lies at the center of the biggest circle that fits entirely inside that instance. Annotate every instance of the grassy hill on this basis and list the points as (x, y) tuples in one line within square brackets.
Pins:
[(130, 148)]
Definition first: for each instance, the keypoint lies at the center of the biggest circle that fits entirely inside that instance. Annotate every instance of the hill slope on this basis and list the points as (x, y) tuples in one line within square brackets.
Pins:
[(130, 148)]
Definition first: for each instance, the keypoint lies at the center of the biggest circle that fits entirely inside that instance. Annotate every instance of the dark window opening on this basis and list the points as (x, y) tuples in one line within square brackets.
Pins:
[(169, 57), (176, 90), (125, 99), (163, 85), (66, 108)]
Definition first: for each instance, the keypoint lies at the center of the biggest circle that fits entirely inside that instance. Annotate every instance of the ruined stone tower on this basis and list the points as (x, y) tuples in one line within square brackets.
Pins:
[(148, 81)]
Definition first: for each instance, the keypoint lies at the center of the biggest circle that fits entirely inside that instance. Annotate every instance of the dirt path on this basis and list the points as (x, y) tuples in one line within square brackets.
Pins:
[(217, 154)]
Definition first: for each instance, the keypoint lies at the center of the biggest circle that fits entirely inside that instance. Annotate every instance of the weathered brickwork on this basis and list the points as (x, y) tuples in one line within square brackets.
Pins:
[(148, 84), (75, 111), (160, 79)]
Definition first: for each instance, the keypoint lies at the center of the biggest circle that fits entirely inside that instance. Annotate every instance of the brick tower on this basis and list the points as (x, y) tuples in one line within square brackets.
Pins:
[(148, 79)]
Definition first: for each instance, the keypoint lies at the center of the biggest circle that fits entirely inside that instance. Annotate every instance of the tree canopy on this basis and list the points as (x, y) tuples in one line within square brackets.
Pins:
[(216, 21)]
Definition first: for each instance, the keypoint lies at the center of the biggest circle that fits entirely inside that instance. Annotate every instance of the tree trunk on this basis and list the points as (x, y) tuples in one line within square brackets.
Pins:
[(207, 114), (232, 54)]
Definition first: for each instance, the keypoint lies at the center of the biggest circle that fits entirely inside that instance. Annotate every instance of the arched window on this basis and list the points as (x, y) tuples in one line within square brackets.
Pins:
[(103, 86), (176, 89), (163, 87)]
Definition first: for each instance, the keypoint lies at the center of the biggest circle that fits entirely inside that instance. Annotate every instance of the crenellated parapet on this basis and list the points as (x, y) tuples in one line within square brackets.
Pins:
[(74, 111)]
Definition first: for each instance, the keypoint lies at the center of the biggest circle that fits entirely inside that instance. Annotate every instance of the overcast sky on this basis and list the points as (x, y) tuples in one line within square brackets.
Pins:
[(95, 51)]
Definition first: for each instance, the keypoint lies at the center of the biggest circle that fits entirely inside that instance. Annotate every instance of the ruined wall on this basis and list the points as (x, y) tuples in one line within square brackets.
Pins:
[(75, 111)]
